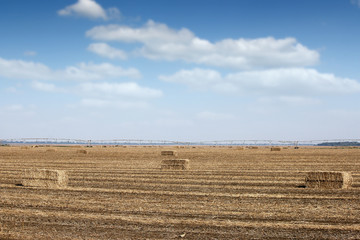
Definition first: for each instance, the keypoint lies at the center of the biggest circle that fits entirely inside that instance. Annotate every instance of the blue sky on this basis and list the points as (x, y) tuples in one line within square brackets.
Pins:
[(180, 70)]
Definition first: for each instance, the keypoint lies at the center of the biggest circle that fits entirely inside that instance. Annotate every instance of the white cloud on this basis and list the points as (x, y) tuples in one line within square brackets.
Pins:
[(23, 69), (294, 80), (161, 42), (105, 94), (128, 95), (107, 51), (89, 9), (30, 53), (196, 78), (91, 71), (26, 70), (45, 87), (284, 82), (125, 90), (84, 8)]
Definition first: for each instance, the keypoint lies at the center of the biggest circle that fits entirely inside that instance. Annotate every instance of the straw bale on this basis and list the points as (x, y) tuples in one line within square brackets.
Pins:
[(240, 148), (81, 151), (275, 149), (328, 180), (45, 178), (175, 164), (169, 153), (254, 147)]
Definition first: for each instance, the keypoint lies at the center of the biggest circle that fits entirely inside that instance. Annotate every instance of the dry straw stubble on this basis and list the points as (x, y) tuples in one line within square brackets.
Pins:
[(175, 164)]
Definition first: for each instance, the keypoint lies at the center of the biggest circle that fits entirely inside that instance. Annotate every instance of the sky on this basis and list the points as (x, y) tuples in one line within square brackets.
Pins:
[(180, 70)]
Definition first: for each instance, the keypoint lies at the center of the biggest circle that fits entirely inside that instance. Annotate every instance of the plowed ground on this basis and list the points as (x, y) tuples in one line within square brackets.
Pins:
[(121, 193)]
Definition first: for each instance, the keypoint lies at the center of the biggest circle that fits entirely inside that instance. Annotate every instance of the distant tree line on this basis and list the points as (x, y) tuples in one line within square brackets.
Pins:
[(339, 144)]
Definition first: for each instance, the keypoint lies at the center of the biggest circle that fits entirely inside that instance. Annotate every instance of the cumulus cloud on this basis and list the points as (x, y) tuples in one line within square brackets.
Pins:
[(161, 42), (46, 87), (288, 81), (105, 94), (196, 78), (89, 9), (77, 81), (125, 90), (23, 69), (27, 70), (107, 51), (91, 71), (116, 95)]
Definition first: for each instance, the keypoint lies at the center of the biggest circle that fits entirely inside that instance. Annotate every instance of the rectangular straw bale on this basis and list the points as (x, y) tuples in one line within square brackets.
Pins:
[(175, 164), (254, 147), (169, 153), (81, 151), (328, 180), (240, 148), (275, 149), (45, 178)]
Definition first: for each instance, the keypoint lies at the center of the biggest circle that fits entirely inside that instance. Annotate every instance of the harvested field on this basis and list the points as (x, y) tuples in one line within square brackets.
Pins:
[(121, 193)]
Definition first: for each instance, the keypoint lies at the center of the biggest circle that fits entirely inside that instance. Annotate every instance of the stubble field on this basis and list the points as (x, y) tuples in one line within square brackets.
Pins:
[(228, 193)]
